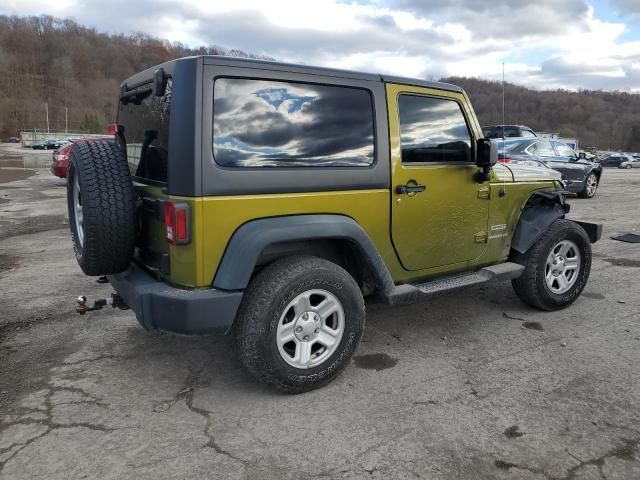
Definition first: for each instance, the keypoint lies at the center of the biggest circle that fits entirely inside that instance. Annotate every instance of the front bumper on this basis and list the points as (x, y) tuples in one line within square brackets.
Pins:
[(158, 306)]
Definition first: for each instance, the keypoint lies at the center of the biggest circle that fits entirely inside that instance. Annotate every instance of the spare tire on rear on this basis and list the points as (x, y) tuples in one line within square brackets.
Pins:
[(101, 203)]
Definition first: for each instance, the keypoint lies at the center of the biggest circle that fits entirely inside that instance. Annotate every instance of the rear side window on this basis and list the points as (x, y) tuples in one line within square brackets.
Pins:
[(146, 132), (432, 130), (564, 150), (542, 149), (266, 123)]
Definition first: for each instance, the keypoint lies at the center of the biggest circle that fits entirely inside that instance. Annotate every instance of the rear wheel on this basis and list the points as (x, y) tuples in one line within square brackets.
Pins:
[(627, 167), (557, 267), (590, 186), (299, 323)]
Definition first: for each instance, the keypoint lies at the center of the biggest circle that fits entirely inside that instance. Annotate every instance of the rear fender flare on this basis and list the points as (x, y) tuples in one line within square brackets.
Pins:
[(250, 239)]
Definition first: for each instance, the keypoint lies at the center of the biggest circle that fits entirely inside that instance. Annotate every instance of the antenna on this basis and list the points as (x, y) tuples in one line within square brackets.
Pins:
[(503, 100)]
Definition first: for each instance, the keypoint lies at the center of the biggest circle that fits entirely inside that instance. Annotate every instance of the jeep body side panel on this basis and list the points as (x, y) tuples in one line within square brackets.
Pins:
[(218, 180), (251, 239)]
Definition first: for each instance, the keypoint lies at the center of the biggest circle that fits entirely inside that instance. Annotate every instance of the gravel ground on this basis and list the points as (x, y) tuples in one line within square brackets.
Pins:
[(469, 385)]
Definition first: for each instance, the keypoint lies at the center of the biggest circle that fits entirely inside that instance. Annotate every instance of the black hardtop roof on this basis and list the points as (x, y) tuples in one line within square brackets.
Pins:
[(144, 76)]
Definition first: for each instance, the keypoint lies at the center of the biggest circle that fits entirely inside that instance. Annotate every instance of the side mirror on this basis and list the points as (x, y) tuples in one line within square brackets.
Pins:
[(486, 157), (582, 155)]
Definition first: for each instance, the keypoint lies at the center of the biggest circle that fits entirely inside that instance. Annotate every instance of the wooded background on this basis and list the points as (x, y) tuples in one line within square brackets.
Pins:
[(57, 61)]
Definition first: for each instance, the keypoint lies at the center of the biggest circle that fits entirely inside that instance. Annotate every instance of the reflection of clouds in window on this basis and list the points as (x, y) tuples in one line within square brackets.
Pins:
[(269, 123), (432, 130)]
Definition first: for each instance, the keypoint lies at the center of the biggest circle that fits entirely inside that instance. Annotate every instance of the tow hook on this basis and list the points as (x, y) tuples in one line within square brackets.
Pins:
[(115, 301)]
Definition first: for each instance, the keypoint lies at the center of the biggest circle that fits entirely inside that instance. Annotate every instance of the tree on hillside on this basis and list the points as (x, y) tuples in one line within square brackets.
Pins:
[(74, 69)]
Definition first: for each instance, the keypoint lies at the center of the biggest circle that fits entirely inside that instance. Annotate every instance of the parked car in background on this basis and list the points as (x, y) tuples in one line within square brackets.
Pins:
[(49, 144), (507, 131), (60, 160), (633, 162), (615, 160), (579, 175), (11, 140)]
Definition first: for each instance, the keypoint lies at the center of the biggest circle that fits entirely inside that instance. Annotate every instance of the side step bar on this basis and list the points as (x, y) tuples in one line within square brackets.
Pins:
[(413, 292)]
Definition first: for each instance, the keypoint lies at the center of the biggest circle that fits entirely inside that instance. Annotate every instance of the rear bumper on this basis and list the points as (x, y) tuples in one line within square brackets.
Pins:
[(159, 306)]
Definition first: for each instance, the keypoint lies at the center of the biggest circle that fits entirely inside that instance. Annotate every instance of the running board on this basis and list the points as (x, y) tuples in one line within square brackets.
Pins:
[(413, 292)]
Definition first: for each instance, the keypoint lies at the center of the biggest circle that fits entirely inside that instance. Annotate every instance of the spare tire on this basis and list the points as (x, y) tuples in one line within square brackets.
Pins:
[(101, 203)]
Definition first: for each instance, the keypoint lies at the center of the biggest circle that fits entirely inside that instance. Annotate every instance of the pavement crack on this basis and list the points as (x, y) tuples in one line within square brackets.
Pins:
[(186, 393)]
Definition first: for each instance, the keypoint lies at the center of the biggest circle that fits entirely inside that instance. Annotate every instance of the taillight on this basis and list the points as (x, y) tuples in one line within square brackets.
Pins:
[(502, 158), (176, 222), (114, 129)]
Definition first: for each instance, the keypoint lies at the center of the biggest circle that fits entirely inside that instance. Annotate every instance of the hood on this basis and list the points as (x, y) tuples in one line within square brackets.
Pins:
[(515, 172)]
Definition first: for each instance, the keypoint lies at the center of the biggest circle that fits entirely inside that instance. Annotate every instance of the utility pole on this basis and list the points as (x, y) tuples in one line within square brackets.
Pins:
[(46, 106), (503, 100), (66, 120)]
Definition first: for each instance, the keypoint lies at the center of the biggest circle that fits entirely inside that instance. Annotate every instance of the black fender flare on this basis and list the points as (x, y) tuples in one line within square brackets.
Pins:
[(541, 210), (251, 238)]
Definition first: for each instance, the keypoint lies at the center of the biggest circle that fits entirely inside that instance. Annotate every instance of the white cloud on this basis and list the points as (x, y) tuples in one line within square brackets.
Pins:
[(405, 37)]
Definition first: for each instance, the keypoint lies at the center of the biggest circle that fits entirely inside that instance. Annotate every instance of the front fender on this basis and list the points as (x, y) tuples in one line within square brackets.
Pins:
[(542, 209)]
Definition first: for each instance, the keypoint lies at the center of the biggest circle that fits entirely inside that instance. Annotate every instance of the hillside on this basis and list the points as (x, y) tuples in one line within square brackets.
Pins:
[(77, 69), (607, 120), (45, 59)]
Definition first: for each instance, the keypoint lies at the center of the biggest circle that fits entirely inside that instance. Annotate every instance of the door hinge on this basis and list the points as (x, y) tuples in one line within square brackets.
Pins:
[(484, 193), (481, 237)]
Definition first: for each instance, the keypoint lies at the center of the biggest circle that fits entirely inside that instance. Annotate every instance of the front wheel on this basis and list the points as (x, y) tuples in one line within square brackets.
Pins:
[(590, 186), (627, 167), (557, 267), (299, 322)]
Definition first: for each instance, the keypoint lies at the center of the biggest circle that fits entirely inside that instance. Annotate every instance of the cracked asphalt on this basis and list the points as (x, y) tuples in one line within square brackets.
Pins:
[(472, 384)]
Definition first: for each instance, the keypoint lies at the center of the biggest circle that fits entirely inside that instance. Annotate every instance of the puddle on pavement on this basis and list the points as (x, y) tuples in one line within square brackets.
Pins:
[(375, 361), (7, 262), (596, 296), (533, 326), (14, 174), (623, 262), (513, 432)]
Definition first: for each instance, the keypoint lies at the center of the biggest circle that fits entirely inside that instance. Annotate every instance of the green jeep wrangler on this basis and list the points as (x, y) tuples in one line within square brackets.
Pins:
[(268, 200)]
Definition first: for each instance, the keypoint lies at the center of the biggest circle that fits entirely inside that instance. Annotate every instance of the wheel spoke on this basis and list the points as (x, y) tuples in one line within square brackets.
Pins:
[(327, 336), (571, 263), (303, 353), (286, 333), (302, 304), (564, 249), (563, 283), (326, 308)]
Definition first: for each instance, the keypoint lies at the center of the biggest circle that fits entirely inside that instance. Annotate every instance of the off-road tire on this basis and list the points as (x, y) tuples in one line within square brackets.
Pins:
[(584, 193), (263, 303), (108, 207), (531, 286)]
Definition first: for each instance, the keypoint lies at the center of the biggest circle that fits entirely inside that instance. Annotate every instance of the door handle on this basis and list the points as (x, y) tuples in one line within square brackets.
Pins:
[(410, 189)]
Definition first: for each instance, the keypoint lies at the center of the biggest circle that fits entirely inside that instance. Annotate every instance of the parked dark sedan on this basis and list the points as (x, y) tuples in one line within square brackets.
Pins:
[(615, 160), (579, 175)]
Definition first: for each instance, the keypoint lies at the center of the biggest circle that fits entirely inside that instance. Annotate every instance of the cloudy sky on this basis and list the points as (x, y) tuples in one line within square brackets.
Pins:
[(593, 44)]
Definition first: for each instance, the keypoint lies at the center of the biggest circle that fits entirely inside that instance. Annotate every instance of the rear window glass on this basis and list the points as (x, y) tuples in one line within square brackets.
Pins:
[(146, 132), (265, 123)]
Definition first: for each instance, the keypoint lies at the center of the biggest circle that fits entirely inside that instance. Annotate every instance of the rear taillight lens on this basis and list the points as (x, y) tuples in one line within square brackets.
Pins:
[(176, 222), (114, 129), (502, 158)]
